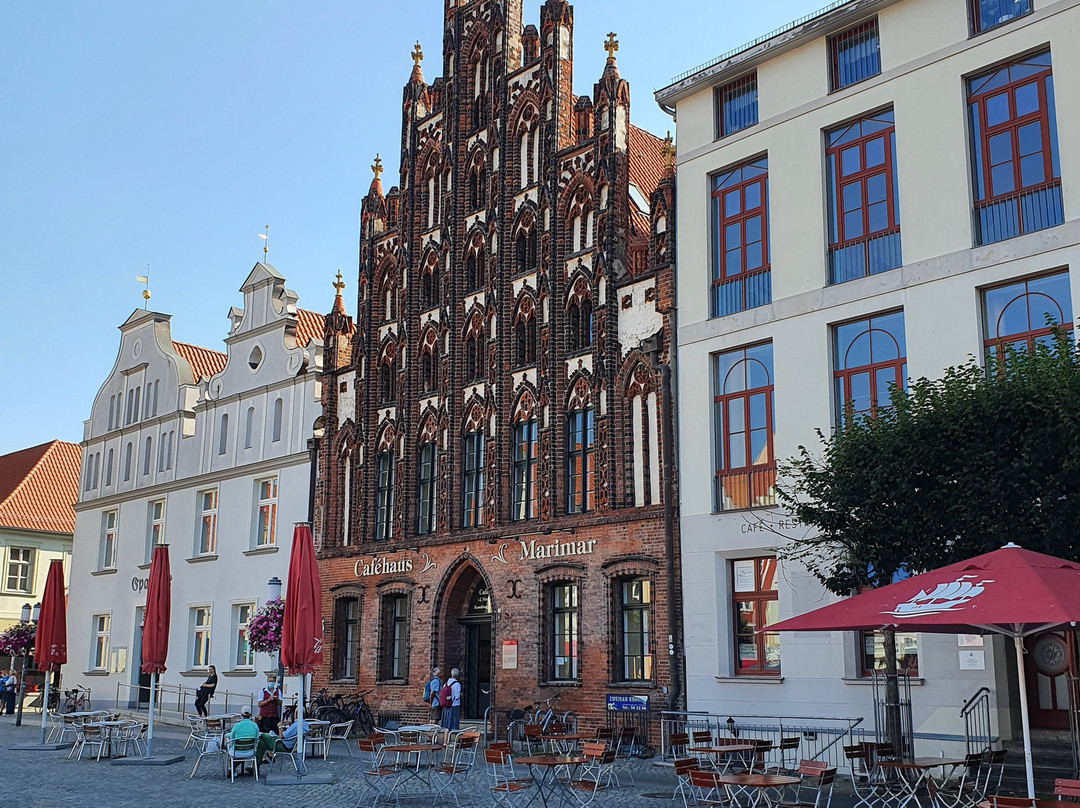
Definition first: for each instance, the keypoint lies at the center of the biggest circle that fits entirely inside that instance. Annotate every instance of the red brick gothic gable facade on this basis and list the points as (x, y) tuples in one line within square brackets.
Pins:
[(491, 492)]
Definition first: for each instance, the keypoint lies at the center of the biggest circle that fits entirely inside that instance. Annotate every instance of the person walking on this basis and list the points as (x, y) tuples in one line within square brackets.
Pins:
[(450, 701), (270, 705), (11, 684), (205, 691), (431, 695)]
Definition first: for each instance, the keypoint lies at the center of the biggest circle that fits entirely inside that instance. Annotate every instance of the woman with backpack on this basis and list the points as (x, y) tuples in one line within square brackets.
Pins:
[(431, 695), (450, 701)]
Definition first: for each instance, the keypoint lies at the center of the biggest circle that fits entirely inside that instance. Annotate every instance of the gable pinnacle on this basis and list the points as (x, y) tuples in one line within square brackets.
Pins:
[(611, 46), (417, 55)]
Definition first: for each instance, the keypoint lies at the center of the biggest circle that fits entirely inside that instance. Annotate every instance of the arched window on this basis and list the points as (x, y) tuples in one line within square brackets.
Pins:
[(425, 489), (249, 427), (525, 340), (135, 409), (148, 454), (127, 409), (475, 271), (127, 462), (428, 379), (477, 186), (579, 320), (384, 496), (223, 434), (526, 252), (387, 379), (112, 411), (109, 468), (474, 357), (278, 407), (430, 284), (161, 452), (150, 395)]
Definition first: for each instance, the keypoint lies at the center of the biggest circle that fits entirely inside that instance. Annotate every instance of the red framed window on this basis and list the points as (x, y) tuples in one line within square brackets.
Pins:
[(743, 428), (740, 213), (870, 356), (756, 608), (864, 210), (736, 105), (1016, 172), (1021, 313), (854, 55), (987, 14)]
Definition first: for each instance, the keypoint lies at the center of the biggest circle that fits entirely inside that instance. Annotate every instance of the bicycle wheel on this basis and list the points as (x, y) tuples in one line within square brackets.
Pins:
[(365, 721)]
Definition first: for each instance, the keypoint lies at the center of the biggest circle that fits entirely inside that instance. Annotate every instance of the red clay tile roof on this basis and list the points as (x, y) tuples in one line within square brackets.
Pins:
[(646, 154), (38, 487), (204, 362), (309, 327)]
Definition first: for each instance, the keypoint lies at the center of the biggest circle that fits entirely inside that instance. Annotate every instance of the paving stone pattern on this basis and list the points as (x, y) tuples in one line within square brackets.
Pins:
[(39, 779)]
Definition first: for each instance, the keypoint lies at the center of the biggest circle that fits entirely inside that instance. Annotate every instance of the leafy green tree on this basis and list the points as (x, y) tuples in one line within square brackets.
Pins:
[(951, 468)]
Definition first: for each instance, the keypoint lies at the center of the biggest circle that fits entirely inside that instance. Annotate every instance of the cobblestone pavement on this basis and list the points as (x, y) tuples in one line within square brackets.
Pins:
[(47, 779)]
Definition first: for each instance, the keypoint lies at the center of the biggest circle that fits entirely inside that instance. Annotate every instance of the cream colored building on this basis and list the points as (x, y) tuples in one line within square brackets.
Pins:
[(875, 192)]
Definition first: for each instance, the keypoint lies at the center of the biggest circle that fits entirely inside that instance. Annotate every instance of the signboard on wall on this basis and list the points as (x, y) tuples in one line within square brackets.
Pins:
[(627, 704), (509, 654)]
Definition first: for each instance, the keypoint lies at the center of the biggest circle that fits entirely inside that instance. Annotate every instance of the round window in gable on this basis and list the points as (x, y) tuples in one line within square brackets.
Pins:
[(255, 358)]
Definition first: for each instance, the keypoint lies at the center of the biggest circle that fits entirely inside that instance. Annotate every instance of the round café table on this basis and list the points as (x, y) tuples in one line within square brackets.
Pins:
[(408, 772), (723, 750), (756, 785), (546, 765)]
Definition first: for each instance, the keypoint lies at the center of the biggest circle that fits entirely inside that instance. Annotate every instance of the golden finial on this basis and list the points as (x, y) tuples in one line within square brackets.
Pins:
[(145, 279), (669, 149), (339, 284), (417, 54), (377, 167), (611, 46), (266, 242)]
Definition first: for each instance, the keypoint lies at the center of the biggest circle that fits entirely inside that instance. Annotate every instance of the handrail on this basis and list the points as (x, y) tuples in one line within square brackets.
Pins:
[(183, 694), (823, 735), (976, 714)]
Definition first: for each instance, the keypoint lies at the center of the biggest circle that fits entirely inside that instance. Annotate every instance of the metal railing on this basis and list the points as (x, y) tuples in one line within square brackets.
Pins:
[(1022, 212), (864, 256), (183, 695), (742, 292), (821, 737), (738, 490), (903, 705), (976, 715)]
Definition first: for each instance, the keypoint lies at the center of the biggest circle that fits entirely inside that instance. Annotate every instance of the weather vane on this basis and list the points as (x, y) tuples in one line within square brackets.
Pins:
[(266, 242), (145, 279)]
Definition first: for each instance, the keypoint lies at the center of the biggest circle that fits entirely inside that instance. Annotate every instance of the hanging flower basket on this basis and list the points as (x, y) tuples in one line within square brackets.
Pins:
[(15, 640), (264, 628)]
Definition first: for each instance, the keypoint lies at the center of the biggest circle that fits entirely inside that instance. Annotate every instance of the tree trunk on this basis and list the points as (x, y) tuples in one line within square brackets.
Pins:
[(894, 733)]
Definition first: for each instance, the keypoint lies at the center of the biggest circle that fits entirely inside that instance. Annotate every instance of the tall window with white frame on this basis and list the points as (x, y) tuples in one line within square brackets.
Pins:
[(425, 485), (743, 428), (223, 434), (524, 471), (384, 496), (580, 471), (1021, 313), (472, 488), (346, 637), (20, 570), (243, 655), (395, 637), (1016, 170), (155, 526), (741, 274), (635, 609), (755, 606), (864, 208), (99, 653), (564, 637), (107, 554), (207, 525), (200, 637), (737, 105), (870, 356), (275, 433), (266, 512)]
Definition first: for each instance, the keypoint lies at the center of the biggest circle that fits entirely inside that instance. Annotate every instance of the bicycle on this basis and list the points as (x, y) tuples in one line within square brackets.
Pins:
[(77, 700), (519, 719)]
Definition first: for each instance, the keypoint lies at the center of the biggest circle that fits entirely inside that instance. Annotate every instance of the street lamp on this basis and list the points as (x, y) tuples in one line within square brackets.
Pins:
[(26, 616)]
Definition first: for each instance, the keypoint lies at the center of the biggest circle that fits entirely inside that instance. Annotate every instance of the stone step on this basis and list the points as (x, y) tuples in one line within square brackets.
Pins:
[(1051, 757)]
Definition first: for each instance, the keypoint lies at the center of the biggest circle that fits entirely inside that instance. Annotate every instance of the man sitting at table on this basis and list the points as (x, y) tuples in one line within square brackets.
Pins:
[(278, 741), (244, 729)]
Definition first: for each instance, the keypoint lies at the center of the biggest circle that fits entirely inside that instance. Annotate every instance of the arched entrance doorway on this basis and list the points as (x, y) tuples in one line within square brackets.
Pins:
[(466, 629)]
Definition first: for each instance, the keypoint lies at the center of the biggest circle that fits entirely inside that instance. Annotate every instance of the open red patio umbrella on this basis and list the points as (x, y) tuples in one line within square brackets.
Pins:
[(155, 637), (301, 624), (50, 643), (1010, 591)]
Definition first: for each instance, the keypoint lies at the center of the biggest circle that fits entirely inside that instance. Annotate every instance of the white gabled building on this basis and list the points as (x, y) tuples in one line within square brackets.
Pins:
[(875, 192), (211, 453)]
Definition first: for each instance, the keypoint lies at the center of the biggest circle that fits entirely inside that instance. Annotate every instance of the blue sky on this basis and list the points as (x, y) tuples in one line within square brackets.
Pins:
[(169, 134)]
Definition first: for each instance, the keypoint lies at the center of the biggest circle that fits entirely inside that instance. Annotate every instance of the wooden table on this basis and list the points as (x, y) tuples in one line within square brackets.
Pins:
[(408, 772), (914, 773), (547, 782), (756, 785), (724, 750)]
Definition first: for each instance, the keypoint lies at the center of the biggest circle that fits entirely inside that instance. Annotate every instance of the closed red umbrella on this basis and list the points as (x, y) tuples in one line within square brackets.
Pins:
[(50, 644), (155, 637), (301, 624), (1010, 591)]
